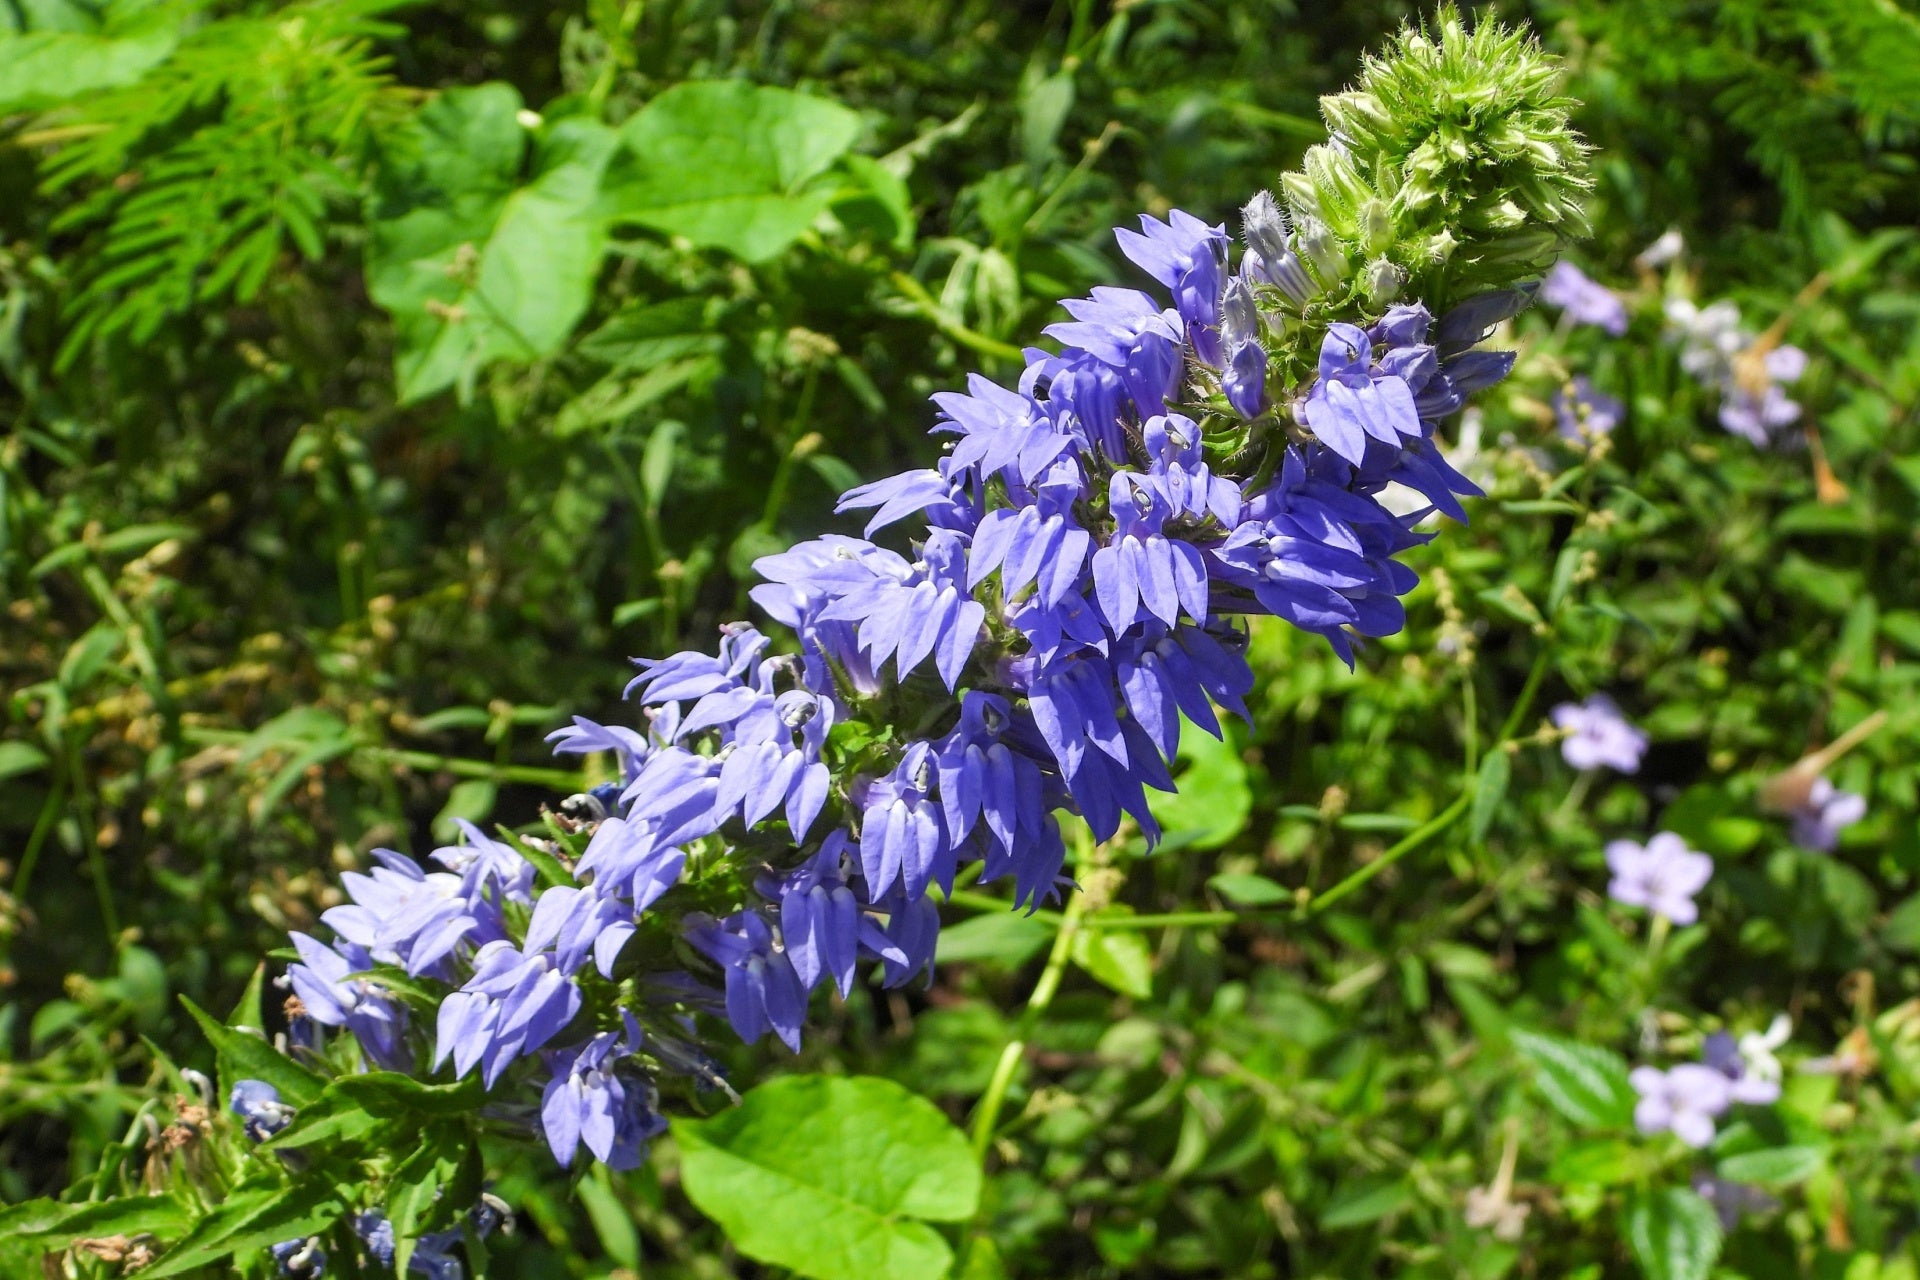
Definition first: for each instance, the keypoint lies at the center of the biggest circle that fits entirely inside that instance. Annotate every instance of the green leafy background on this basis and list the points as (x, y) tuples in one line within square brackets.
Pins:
[(378, 379)]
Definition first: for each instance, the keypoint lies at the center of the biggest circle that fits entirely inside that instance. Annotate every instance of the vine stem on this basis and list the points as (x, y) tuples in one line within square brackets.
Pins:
[(987, 1117)]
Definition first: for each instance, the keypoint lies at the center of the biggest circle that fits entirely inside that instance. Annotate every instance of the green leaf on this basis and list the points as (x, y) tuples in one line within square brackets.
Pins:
[(1214, 800), (728, 164), (1006, 938), (58, 1223), (826, 1176), (416, 1204), (1117, 958), (45, 68), (612, 1221), (355, 1109), (471, 799), (1249, 890), (243, 1056), (251, 1217), (1774, 1166), (1583, 1082), (1363, 1202), (17, 758), (1489, 792), (136, 538), (1674, 1234), (473, 265)]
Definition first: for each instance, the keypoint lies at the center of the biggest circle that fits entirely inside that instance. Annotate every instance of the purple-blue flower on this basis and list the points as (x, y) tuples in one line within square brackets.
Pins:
[(515, 1002), (1188, 257), (902, 833), (1144, 572), (1351, 402), (591, 1101), (332, 993), (258, 1105), (1752, 404), (763, 991), (1037, 543), (1583, 300)]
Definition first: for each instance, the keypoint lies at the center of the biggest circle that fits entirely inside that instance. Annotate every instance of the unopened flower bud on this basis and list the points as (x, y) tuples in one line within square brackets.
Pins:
[(1320, 251), (1239, 317), (1384, 281), (1264, 227)]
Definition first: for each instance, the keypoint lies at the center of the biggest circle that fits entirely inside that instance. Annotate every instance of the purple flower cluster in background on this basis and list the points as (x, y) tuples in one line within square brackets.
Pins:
[(1686, 1099), (1749, 374), (1090, 538), (1583, 300)]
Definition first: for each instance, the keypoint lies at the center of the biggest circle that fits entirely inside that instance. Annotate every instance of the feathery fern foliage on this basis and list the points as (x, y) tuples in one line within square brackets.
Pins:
[(193, 181)]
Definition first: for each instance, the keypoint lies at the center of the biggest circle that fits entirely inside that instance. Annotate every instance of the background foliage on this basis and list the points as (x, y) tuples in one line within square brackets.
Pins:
[(379, 378)]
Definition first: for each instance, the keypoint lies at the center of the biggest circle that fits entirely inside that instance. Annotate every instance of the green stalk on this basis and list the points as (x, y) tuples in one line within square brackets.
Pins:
[(986, 1117)]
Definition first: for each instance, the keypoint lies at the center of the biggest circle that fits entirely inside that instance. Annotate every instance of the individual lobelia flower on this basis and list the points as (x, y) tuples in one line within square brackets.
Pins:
[(1144, 572), (1583, 300), (1665, 248), (1188, 257), (822, 923), (1597, 735), (1825, 812), (1351, 401), (592, 1101), (763, 991), (1662, 876), (332, 993), (1684, 1100), (258, 1105), (514, 1003)]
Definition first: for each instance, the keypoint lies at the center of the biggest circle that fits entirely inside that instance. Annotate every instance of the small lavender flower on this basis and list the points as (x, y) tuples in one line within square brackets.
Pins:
[(1584, 300), (1824, 814), (1599, 735), (1661, 876), (258, 1105), (1684, 1101)]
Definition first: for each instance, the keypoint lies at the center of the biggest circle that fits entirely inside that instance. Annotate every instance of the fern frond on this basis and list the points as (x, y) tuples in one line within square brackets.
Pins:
[(200, 176)]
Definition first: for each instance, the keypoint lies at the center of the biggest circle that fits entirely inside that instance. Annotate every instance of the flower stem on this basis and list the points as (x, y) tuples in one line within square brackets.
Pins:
[(987, 1116)]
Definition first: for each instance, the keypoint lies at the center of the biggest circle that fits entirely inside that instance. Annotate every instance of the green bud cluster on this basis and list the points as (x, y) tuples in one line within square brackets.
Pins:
[(1453, 169)]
